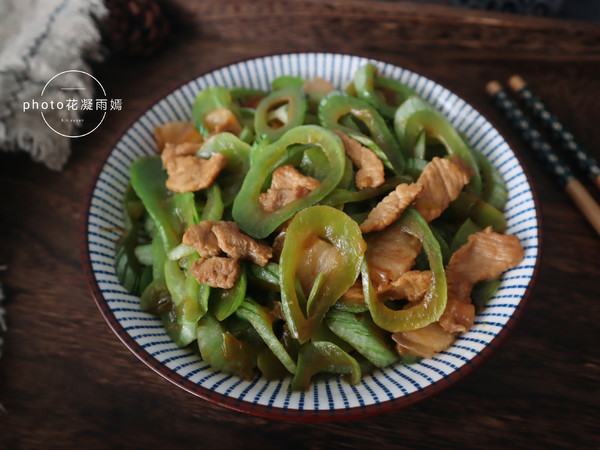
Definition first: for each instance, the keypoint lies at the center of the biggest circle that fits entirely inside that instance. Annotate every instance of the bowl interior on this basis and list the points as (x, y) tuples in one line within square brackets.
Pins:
[(382, 390)]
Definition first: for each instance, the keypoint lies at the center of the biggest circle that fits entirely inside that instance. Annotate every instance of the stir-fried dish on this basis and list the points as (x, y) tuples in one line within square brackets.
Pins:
[(309, 230)]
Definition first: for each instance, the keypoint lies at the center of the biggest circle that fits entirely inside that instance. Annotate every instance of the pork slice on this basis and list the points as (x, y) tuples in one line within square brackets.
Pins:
[(217, 271), (175, 133), (317, 85), (239, 245), (189, 173), (485, 256), (202, 238), (222, 120), (287, 185), (424, 342), (390, 253), (442, 181), (370, 168), (411, 286), (390, 207)]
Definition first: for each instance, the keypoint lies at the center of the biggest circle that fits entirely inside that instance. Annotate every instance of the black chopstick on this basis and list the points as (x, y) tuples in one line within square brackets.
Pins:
[(558, 169)]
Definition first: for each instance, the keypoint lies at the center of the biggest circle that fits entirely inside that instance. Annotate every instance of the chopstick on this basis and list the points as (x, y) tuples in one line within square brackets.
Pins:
[(561, 173), (556, 129)]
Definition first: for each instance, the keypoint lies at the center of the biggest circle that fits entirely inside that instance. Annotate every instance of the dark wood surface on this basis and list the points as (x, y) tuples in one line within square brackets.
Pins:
[(65, 378)]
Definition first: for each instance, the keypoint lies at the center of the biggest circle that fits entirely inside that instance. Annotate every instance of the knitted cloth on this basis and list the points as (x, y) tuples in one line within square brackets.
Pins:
[(38, 40)]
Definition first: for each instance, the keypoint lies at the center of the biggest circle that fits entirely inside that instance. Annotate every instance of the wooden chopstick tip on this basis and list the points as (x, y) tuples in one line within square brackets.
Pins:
[(493, 87), (516, 83)]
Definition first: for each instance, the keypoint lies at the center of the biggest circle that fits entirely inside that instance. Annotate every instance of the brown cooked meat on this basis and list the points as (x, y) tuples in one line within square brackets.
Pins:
[(391, 207), (424, 341), (239, 245), (217, 271), (172, 151), (202, 238), (189, 173), (390, 253), (287, 185), (317, 85), (442, 181), (222, 120), (176, 133), (411, 286), (485, 256), (370, 168)]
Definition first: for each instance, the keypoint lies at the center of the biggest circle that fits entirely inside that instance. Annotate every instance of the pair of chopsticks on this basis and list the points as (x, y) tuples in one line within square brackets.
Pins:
[(558, 169)]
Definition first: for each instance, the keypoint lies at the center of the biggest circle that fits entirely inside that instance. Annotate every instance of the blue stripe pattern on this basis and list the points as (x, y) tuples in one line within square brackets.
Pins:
[(330, 395)]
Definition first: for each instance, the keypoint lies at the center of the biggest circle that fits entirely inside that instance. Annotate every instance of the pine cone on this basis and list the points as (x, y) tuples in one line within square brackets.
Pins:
[(134, 27)]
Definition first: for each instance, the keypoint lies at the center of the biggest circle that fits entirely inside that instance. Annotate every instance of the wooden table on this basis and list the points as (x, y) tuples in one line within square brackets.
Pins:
[(66, 380)]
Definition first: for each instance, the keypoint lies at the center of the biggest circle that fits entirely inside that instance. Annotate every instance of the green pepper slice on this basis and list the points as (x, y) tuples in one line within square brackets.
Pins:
[(339, 230), (494, 191), (322, 356), (286, 81), (366, 83), (207, 101), (238, 161), (262, 321), (149, 182), (289, 105), (410, 124), (247, 212), (222, 350), (224, 302), (334, 107), (433, 304), (360, 331)]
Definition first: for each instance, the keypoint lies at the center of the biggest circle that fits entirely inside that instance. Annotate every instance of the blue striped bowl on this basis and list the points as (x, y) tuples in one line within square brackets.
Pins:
[(383, 390)]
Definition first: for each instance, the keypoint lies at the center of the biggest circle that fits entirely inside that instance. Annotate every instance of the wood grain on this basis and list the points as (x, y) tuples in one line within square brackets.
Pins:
[(67, 381)]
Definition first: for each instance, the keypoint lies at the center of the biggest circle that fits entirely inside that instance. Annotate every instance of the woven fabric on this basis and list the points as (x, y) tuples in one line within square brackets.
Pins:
[(38, 40)]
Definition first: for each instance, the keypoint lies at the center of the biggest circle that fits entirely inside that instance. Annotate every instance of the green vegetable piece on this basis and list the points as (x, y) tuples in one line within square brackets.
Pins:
[(433, 304), (270, 366), (262, 321), (444, 247), (213, 209), (181, 251), (242, 94), (286, 81), (127, 265), (483, 291), (207, 101), (335, 227), (333, 107), (481, 213), (156, 298), (238, 161), (358, 306), (366, 83), (360, 331), (182, 334), (149, 181), (222, 350), (143, 253), (267, 277), (414, 167), (224, 302), (294, 102), (494, 191), (410, 126), (247, 211), (462, 235), (322, 356)]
